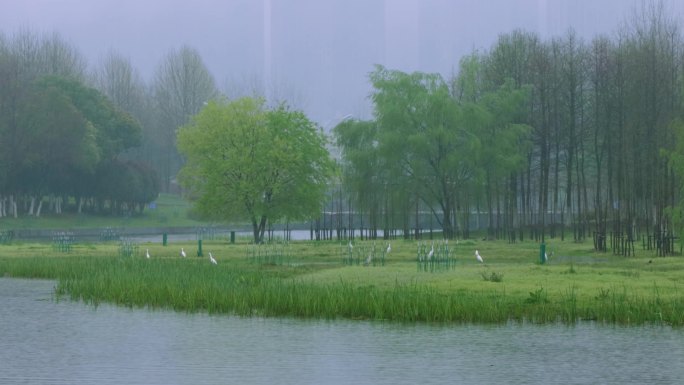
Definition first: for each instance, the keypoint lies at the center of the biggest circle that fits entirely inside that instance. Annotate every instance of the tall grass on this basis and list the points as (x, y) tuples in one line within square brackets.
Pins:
[(243, 288), (270, 253)]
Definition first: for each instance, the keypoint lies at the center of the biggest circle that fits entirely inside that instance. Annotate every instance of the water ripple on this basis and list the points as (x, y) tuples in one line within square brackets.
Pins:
[(47, 342)]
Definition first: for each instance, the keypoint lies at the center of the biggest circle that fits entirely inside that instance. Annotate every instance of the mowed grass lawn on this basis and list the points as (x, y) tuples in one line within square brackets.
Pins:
[(310, 280)]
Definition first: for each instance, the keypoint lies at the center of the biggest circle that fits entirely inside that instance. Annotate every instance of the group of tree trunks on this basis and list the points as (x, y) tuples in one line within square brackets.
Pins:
[(560, 137), (62, 142)]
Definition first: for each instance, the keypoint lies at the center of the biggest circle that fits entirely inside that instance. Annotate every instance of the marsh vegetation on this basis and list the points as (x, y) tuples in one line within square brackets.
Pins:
[(576, 284)]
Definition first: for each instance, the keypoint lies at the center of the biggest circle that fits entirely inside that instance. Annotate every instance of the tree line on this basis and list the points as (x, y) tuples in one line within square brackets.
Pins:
[(546, 137), (100, 138), (557, 137)]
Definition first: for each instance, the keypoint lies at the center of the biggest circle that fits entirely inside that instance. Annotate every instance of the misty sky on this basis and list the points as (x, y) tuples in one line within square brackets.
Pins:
[(316, 52)]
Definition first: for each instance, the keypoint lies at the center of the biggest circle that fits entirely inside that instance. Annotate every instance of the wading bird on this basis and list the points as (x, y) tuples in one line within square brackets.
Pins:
[(147, 253), (432, 252), (182, 253), (478, 257), (211, 258), (389, 248), (369, 259), (546, 258)]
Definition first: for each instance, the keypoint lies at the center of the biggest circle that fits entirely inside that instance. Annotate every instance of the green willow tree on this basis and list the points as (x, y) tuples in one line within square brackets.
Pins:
[(427, 138), (504, 141), (675, 157), (245, 162), (443, 144), (362, 171)]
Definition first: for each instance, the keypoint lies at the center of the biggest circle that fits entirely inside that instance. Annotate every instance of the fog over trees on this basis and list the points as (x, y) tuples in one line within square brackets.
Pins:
[(62, 140), (536, 135)]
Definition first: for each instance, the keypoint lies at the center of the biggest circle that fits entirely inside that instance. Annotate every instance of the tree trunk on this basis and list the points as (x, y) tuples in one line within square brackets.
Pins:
[(258, 229), (490, 209), (13, 206), (40, 206), (33, 204)]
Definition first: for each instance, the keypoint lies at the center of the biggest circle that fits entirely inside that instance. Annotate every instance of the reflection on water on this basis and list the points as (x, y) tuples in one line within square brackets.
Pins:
[(47, 342)]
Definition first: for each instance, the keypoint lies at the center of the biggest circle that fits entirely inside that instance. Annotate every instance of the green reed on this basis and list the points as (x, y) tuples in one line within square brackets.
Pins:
[(435, 257), (243, 288), (276, 252), (363, 253)]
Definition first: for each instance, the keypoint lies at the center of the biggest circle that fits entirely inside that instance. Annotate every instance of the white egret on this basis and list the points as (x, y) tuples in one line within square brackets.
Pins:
[(147, 253), (478, 257), (211, 258), (432, 251), (369, 259), (389, 248), (351, 247), (182, 253), (546, 258)]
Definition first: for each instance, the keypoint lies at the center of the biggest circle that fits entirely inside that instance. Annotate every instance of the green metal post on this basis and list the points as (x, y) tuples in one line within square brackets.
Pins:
[(232, 237), (164, 239), (199, 247)]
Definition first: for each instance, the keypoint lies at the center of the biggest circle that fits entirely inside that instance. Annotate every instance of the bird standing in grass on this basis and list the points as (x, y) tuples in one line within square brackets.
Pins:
[(211, 258), (431, 253), (546, 258), (147, 253), (369, 259), (389, 248), (478, 257), (182, 253)]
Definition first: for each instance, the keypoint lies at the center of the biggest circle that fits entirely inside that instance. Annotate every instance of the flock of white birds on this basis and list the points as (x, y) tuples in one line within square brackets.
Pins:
[(183, 254), (368, 260)]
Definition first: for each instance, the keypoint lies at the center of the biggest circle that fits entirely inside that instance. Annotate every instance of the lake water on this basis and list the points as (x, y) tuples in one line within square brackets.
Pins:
[(43, 341)]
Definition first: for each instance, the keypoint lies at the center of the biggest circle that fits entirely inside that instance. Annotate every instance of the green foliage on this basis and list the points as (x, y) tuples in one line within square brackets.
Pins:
[(537, 296), (363, 170), (116, 130), (492, 276), (676, 161), (305, 289), (430, 143), (57, 133), (248, 163), (127, 182), (55, 142), (170, 210), (127, 248)]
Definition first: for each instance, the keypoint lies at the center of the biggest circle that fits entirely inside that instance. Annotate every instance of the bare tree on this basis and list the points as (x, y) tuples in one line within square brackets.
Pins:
[(120, 82), (39, 55), (276, 92), (182, 85)]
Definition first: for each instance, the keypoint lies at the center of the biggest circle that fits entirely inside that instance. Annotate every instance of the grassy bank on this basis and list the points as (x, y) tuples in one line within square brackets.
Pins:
[(575, 285)]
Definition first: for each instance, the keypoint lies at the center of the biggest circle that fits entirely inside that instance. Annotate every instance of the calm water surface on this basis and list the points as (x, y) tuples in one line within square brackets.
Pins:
[(43, 341)]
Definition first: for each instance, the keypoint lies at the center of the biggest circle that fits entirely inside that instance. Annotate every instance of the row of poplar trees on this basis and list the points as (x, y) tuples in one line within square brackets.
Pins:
[(560, 137)]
